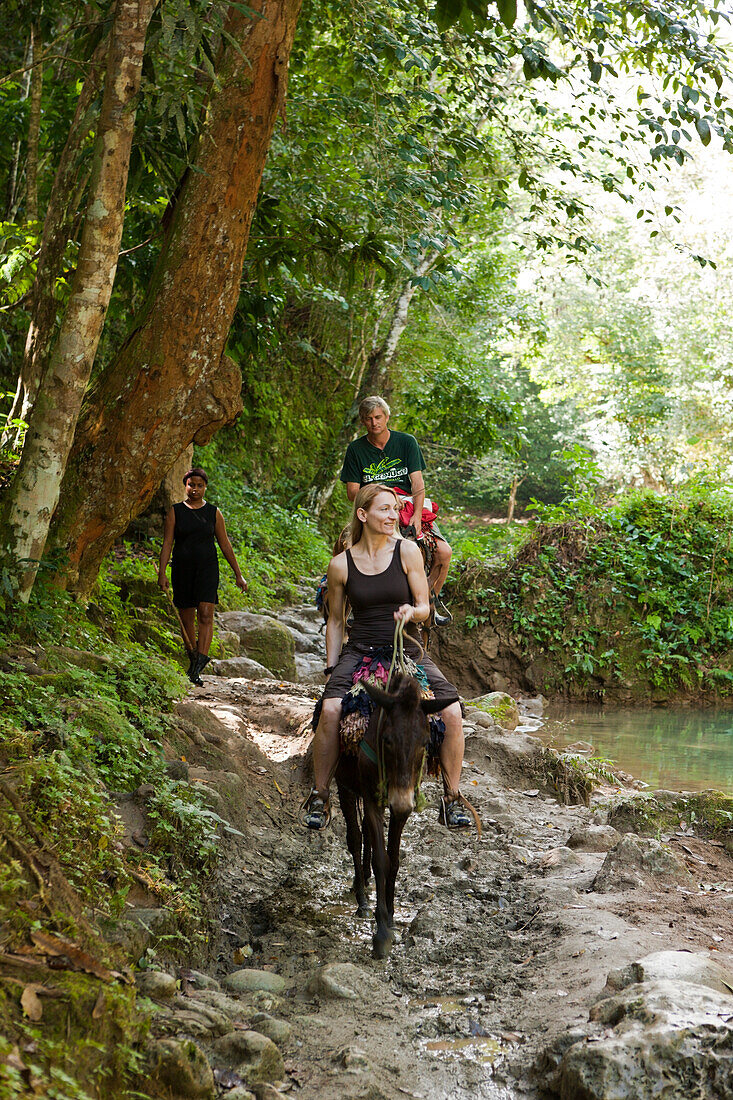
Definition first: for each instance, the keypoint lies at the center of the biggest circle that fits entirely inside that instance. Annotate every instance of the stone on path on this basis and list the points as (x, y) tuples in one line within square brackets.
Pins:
[(636, 861), (229, 1006), (594, 838), (241, 668), (342, 980), (181, 1067), (277, 1030), (199, 980), (156, 984), (253, 1056), (558, 858), (245, 981)]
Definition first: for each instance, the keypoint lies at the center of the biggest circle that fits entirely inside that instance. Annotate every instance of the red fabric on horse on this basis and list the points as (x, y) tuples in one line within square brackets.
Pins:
[(408, 509)]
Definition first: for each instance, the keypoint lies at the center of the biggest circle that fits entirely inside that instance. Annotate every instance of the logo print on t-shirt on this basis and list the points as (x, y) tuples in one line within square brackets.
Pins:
[(385, 470)]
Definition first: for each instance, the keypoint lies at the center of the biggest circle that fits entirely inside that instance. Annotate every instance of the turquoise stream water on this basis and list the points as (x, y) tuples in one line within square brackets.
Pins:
[(678, 749)]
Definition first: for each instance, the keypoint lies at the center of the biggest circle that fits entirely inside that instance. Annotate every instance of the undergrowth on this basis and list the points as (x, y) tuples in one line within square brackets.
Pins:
[(637, 591)]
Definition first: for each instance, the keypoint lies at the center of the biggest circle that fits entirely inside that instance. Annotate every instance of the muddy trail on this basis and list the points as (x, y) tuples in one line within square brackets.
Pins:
[(505, 942)]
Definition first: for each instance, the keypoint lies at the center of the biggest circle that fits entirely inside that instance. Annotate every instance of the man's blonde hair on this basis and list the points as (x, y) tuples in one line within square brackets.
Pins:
[(374, 402)]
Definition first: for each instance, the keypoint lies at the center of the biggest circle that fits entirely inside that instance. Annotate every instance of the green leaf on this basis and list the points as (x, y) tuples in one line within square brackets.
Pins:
[(703, 129), (507, 11)]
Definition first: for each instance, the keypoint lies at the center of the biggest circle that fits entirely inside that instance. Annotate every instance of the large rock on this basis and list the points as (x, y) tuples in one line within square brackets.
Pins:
[(677, 966), (670, 1040), (638, 861), (227, 644), (264, 640), (253, 1056), (502, 708), (241, 668), (181, 1067)]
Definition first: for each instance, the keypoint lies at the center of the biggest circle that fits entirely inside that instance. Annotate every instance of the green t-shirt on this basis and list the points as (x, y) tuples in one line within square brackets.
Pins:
[(364, 463)]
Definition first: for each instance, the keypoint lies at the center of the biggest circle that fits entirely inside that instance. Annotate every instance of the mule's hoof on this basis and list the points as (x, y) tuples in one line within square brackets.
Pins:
[(363, 912), (381, 947)]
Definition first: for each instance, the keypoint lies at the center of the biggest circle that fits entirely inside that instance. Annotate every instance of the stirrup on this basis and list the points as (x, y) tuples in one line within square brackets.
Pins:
[(441, 614), (453, 813), (315, 811)]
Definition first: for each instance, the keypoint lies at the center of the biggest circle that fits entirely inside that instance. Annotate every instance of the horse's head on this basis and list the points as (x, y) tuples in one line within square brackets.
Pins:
[(404, 735)]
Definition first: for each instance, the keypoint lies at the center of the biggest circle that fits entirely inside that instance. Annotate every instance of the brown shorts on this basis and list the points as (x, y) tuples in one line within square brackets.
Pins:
[(341, 679)]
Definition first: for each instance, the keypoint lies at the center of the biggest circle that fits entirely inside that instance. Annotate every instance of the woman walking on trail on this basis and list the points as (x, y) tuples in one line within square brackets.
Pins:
[(192, 529), (383, 577)]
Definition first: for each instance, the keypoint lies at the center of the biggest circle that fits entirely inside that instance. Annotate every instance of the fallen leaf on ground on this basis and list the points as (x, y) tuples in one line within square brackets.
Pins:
[(58, 947), (31, 1003)]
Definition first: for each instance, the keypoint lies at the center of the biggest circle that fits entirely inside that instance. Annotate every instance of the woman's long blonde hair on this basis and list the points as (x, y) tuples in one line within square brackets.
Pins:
[(364, 499)]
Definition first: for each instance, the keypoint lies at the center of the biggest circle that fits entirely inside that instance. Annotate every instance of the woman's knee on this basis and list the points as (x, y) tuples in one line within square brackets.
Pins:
[(331, 709), (453, 717)]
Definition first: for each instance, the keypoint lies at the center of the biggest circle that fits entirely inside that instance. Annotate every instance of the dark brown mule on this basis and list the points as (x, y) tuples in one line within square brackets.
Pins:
[(388, 768)]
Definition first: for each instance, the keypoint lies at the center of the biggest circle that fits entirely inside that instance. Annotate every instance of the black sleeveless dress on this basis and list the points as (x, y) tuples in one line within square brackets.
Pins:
[(194, 566), (374, 599)]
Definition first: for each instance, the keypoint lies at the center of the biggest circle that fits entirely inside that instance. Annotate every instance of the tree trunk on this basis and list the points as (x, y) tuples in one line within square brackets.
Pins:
[(371, 381), (12, 202), (34, 126), (171, 383), (35, 490), (63, 203), (516, 482)]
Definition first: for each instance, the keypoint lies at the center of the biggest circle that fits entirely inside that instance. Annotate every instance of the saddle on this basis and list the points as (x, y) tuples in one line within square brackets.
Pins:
[(357, 706)]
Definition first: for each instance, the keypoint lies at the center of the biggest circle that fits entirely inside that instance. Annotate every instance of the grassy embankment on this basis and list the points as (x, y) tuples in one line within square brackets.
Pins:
[(85, 718), (633, 600)]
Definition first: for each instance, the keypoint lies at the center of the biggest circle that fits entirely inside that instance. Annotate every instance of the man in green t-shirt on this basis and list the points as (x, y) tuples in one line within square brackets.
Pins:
[(395, 459)]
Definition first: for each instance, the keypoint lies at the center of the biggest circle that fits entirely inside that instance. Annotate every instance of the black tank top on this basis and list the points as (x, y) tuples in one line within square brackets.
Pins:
[(194, 535), (374, 600)]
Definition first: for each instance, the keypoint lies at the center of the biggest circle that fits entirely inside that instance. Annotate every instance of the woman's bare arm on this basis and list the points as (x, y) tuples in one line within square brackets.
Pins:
[(336, 581), (412, 563), (228, 550), (165, 550)]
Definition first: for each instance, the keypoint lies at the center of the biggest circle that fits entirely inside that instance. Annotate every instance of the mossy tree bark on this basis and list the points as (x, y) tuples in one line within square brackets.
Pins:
[(34, 492), (171, 382), (34, 126)]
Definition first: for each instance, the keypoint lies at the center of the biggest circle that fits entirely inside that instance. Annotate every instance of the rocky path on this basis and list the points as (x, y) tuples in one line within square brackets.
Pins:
[(505, 942)]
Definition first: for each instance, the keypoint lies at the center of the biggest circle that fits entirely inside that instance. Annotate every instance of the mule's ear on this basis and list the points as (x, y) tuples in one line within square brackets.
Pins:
[(381, 698), (432, 706)]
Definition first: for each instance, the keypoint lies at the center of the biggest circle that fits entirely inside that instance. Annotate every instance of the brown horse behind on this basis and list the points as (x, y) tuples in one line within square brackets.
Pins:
[(385, 773)]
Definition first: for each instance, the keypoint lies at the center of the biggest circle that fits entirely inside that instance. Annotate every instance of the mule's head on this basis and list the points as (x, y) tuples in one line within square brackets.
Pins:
[(404, 734)]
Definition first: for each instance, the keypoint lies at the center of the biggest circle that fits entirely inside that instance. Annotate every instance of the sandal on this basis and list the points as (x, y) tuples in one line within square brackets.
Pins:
[(453, 813), (316, 811)]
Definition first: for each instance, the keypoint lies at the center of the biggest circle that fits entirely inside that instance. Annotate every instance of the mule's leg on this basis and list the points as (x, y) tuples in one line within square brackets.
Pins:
[(396, 825), (374, 821), (367, 856), (349, 801)]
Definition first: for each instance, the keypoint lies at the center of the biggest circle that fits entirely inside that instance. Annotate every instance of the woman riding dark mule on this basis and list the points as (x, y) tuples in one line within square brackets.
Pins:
[(383, 578), (386, 772)]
